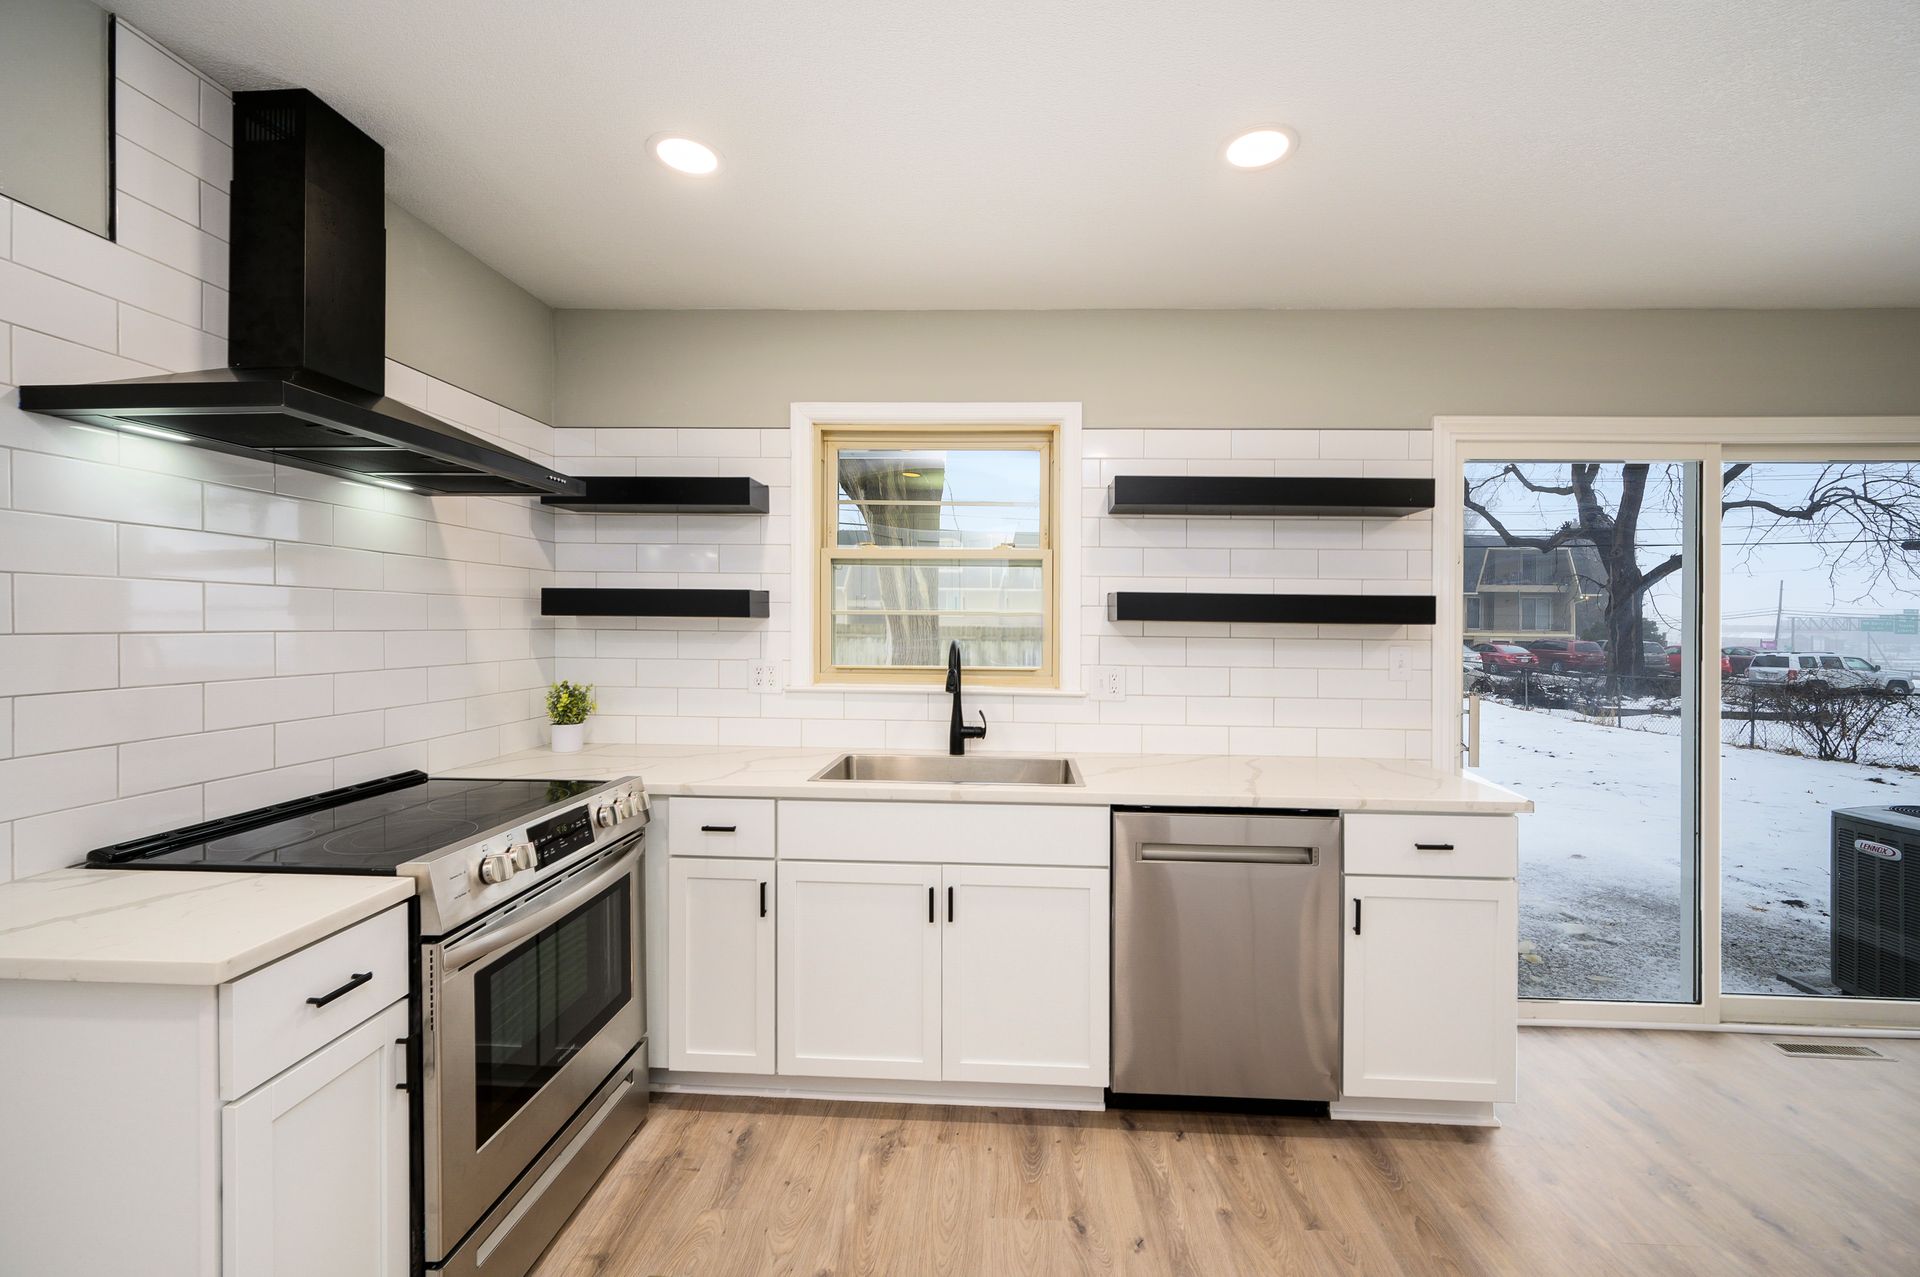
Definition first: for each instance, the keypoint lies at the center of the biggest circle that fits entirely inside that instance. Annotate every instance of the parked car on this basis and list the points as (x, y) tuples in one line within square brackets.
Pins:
[(1827, 669), (1568, 656), (1738, 658), (1473, 671), (1675, 657), (1505, 658)]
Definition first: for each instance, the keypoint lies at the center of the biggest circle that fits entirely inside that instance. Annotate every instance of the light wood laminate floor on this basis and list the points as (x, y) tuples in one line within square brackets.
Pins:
[(1630, 1152)]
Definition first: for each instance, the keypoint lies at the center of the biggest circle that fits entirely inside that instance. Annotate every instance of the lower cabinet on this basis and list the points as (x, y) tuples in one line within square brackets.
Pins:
[(859, 970), (314, 1162), (720, 965), (1430, 989), (972, 973)]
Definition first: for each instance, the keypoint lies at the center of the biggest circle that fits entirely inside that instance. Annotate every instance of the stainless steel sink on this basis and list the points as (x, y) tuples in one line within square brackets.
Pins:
[(948, 769)]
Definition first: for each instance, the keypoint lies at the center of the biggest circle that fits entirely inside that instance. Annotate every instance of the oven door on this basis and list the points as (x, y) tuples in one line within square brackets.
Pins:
[(528, 1012)]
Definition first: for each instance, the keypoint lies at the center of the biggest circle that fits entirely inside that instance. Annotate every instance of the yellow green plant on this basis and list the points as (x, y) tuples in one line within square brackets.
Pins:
[(570, 702)]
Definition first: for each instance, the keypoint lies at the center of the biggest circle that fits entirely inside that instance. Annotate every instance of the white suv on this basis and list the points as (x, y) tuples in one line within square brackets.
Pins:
[(1825, 669)]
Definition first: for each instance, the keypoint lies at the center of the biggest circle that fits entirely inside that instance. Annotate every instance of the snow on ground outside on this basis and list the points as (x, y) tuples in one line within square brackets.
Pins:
[(1601, 899)]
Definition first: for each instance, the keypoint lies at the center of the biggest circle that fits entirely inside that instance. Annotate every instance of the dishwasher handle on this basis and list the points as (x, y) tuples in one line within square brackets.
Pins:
[(1202, 853)]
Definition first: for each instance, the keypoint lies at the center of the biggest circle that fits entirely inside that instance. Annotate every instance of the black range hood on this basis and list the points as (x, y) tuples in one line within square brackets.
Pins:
[(307, 323)]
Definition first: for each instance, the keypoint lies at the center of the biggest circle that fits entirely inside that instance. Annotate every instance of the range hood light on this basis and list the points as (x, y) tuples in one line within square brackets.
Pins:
[(390, 483), (154, 432)]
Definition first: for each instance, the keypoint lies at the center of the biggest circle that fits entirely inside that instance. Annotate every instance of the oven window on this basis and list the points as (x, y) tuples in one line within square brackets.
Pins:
[(535, 1008)]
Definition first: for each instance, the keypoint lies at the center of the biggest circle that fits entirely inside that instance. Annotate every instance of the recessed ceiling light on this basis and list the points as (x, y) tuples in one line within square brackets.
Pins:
[(684, 155), (1261, 147)]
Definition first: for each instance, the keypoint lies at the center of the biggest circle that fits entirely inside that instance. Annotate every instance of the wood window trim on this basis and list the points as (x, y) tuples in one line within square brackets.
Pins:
[(831, 438), (798, 614)]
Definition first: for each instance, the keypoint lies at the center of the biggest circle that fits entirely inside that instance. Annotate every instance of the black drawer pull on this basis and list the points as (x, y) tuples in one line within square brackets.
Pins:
[(763, 900), (949, 904), (719, 829), (359, 978), (1433, 846), (401, 1086), (930, 913), (1356, 915)]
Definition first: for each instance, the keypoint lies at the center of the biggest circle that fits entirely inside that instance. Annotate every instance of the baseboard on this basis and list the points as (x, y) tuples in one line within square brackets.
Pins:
[(1424, 1112), (881, 1091)]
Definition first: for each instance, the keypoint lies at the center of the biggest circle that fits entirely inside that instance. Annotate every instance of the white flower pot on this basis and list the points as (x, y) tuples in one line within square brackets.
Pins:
[(569, 737)]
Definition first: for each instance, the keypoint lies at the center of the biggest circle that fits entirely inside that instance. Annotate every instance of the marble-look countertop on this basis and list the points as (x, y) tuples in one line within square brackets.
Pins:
[(152, 926), (1191, 780)]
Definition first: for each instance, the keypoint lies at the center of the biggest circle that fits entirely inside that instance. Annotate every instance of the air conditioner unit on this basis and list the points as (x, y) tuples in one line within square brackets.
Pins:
[(1876, 901)]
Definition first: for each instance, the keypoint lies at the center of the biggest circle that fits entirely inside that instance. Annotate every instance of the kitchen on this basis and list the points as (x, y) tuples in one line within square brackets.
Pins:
[(1015, 726)]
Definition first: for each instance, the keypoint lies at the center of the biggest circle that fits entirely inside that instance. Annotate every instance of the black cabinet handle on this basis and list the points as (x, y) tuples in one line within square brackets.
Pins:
[(401, 1086), (1433, 846), (359, 978), (930, 913), (949, 904), (1356, 915), (719, 829), (763, 900)]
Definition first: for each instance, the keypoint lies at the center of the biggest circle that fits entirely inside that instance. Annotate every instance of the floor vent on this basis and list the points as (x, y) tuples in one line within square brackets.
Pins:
[(1829, 1051)]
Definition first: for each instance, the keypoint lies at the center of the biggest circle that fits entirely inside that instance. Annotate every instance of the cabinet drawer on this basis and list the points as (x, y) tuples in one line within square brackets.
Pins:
[(285, 1012), (720, 827), (1432, 846)]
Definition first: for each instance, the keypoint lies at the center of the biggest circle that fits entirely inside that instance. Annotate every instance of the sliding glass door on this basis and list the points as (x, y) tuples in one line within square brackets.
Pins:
[(1579, 594), (1694, 643), (1820, 728)]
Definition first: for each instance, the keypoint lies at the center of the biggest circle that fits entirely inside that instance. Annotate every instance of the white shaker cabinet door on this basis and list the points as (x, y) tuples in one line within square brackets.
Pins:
[(720, 931), (1024, 967), (1431, 997), (315, 1162), (859, 966)]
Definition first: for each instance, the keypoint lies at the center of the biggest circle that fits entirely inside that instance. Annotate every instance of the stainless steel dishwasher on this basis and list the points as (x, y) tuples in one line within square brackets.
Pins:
[(1226, 953)]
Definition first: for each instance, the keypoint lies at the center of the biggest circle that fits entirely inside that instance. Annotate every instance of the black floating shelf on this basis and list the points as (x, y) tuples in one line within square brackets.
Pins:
[(1177, 494), (1281, 609), (726, 604), (665, 494)]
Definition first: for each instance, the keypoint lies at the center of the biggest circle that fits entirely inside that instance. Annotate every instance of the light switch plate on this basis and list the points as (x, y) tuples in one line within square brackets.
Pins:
[(763, 676), (1106, 682)]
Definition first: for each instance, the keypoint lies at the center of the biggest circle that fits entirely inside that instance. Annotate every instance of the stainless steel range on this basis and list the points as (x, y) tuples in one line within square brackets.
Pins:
[(530, 1060)]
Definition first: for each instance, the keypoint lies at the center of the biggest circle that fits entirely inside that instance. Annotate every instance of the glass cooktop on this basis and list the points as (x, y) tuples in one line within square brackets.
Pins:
[(371, 828)]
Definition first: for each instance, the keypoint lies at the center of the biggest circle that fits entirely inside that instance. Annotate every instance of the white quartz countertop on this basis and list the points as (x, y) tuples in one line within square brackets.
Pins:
[(1190, 780), (153, 926)]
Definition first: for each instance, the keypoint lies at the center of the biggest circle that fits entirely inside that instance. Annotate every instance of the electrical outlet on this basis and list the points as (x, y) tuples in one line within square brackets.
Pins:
[(1107, 682), (1399, 662), (763, 676)]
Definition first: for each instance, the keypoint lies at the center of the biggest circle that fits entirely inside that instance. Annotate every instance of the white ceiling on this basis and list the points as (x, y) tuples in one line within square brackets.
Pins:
[(1065, 153)]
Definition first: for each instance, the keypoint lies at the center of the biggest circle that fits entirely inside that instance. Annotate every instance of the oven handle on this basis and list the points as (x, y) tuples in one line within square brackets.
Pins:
[(493, 937)]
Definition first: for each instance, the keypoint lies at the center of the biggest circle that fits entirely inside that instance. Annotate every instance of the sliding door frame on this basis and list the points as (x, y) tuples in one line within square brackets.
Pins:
[(1706, 441)]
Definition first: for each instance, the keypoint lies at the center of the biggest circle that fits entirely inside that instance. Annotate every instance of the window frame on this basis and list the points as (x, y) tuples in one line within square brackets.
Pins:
[(809, 618)]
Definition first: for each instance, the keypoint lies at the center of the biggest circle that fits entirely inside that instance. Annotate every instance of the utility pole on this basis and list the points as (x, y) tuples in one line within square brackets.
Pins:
[(1779, 604)]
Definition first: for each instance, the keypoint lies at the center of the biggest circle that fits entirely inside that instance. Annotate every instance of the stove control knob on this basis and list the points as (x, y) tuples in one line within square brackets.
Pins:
[(524, 856), (604, 817), (496, 868), (626, 804)]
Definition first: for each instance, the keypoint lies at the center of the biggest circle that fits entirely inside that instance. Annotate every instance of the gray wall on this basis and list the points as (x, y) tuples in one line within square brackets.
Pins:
[(1310, 369), (451, 315), (54, 139)]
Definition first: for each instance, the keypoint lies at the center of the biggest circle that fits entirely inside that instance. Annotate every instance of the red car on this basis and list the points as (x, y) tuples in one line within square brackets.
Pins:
[(1497, 658), (1562, 656), (1674, 659)]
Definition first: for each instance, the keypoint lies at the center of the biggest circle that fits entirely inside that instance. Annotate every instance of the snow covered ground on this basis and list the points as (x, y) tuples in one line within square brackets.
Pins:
[(1603, 904)]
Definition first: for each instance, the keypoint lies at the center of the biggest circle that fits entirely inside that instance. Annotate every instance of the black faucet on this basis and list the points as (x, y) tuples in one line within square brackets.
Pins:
[(959, 733)]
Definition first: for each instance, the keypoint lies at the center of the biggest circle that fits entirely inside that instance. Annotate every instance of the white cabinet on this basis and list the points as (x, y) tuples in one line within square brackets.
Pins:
[(859, 960), (1430, 989), (314, 1162), (720, 933), (1024, 964)]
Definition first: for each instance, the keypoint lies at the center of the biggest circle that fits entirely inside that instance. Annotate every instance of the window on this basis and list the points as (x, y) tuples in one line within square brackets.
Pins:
[(1536, 613), (930, 535)]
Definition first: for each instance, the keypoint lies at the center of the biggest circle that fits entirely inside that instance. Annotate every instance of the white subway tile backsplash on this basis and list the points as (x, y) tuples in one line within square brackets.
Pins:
[(100, 604), (147, 659), (65, 836), (246, 702), (88, 489), (178, 140), (80, 720), (307, 739), (268, 607), (51, 305), (146, 766), (52, 247), (189, 555), (163, 342), (142, 65), (47, 782), (41, 543), (31, 663), (326, 653)]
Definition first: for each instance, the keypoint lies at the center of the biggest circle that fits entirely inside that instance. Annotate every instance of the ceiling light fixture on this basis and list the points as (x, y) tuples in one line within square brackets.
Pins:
[(683, 154), (1262, 147)]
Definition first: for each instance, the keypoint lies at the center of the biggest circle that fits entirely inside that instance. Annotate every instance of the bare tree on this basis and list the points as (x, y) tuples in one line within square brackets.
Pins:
[(1860, 514)]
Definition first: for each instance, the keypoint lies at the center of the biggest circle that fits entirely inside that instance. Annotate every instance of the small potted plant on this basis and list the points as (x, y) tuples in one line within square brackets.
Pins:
[(568, 707)]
